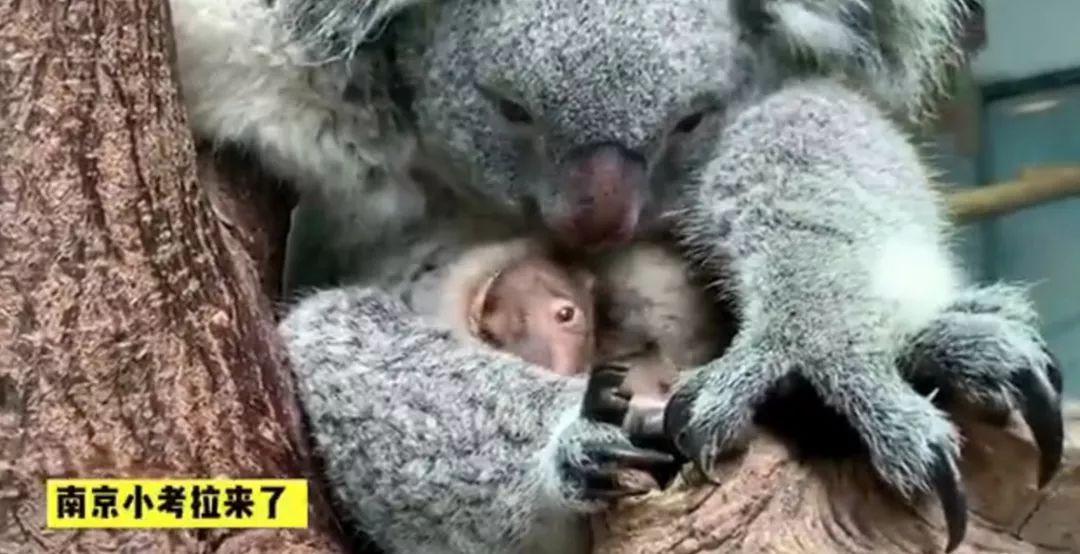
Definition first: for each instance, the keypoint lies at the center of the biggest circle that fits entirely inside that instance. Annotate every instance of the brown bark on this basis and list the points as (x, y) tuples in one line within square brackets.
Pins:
[(765, 501), (136, 334)]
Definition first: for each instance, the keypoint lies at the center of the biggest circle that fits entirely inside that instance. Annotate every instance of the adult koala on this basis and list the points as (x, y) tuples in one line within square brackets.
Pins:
[(754, 131)]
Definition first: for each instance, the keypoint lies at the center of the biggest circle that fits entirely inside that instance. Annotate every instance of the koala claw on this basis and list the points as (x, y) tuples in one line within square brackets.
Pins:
[(605, 399), (686, 439), (1042, 413), (953, 501), (985, 349), (710, 413), (600, 478)]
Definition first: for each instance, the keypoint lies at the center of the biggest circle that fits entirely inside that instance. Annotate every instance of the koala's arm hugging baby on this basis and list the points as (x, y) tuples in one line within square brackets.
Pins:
[(752, 129)]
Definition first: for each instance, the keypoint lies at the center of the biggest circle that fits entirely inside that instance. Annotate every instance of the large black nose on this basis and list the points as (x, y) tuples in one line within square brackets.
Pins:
[(600, 195)]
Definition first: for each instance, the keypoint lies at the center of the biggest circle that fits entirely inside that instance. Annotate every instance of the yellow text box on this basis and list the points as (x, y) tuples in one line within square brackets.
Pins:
[(176, 503)]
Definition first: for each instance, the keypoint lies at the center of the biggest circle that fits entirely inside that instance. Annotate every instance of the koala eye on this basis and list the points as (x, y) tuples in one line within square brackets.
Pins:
[(565, 314), (514, 112), (511, 111), (689, 123)]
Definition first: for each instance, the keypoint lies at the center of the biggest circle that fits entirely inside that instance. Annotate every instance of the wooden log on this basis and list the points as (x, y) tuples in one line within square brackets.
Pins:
[(137, 334)]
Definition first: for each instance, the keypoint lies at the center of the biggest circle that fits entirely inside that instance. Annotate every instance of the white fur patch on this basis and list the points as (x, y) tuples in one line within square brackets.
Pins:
[(915, 272)]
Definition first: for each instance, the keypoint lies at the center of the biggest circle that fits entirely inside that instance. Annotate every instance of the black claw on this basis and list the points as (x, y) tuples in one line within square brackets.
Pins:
[(1042, 412), (1053, 372), (624, 455), (603, 484), (953, 502), (603, 403), (676, 418)]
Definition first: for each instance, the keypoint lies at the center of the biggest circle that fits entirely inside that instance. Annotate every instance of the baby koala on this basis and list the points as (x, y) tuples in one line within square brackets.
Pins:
[(637, 308)]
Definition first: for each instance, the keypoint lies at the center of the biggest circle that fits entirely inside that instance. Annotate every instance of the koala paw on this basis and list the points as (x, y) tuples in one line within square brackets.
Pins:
[(595, 460), (711, 411), (984, 349), (911, 445), (595, 463)]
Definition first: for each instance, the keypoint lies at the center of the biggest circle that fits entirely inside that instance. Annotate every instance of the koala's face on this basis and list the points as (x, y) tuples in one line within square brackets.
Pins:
[(583, 113)]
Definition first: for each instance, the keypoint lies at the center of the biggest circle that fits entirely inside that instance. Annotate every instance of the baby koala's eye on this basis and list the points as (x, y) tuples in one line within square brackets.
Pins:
[(565, 314)]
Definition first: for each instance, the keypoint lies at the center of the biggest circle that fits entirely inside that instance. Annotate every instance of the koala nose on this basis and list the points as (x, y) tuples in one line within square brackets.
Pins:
[(601, 196)]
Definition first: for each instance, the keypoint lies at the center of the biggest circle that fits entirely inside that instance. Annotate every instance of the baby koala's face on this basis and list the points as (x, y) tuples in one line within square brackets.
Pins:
[(540, 311)]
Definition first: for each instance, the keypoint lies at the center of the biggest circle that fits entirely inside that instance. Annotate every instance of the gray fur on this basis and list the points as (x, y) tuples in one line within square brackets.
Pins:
[(796, 193)]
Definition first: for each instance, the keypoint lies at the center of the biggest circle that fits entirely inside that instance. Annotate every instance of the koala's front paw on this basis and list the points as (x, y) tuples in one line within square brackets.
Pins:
[(984, 349), (595, 460), (711, 411), (911, 445), (596, 463)]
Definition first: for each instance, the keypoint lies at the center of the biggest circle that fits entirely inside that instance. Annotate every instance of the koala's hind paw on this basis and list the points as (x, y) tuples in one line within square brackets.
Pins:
[(986, 351)]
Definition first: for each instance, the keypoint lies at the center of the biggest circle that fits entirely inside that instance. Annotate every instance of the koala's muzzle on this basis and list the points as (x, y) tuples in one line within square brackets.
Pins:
[(601, 200)]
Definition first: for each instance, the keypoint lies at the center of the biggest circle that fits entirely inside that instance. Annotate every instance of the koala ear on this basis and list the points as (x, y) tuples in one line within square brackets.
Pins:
[(333, 29), (480, 304), (898, 50)]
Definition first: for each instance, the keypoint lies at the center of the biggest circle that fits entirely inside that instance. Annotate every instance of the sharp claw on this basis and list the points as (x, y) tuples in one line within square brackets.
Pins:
[(601, 402), (693, 448), (1053, 372), (616, 495), (632, 456), (604, 485), (676, 418), (1043, 416), (953, 502)]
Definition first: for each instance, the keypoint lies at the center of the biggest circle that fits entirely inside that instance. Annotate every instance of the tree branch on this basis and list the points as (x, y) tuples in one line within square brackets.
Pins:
[(1035, 186)]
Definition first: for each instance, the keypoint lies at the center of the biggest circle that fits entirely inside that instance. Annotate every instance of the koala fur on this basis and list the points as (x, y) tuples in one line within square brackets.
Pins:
[(761, 135)]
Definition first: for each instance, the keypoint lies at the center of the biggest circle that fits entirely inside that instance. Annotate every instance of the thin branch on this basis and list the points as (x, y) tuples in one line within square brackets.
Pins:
[(1035, 186)]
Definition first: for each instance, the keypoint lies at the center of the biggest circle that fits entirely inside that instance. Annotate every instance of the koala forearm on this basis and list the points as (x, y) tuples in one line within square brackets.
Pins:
[(430, 443), (822, 232)]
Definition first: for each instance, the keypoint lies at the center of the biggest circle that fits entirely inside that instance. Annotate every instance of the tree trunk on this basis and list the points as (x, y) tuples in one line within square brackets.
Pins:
[(137, 335), (765, 501)]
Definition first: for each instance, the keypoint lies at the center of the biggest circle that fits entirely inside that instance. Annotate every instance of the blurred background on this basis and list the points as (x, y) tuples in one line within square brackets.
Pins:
[(1009, 141)]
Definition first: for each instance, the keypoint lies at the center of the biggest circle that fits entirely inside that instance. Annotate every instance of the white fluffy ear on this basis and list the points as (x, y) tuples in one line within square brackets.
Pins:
[(465, 286), (479, 302), (898, 50), (332, 29)]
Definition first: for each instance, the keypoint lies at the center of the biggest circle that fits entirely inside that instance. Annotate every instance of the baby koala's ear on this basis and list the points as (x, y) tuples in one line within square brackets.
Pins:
[(479, 305)]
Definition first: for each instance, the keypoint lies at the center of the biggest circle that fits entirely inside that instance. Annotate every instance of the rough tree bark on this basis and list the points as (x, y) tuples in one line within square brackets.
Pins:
[(136, 333)]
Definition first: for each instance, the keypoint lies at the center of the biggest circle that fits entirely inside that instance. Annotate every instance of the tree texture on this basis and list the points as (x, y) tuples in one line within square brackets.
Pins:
[(137, 337)]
